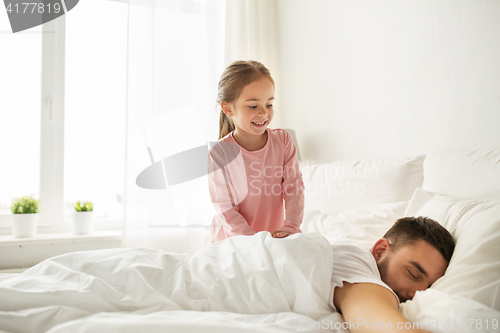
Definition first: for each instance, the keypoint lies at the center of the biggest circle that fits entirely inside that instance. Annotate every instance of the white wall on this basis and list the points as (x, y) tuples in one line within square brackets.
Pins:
[(363, 78)]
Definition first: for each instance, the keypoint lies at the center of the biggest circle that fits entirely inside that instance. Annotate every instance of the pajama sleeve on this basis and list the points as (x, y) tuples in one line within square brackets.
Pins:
[(228, 187), (293, 188)]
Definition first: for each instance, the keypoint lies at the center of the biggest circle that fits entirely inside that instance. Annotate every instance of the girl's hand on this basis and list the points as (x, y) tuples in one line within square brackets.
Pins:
[(280, 234)]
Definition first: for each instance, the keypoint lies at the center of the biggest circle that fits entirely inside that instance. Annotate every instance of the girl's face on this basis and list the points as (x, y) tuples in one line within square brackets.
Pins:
[(253, 110)]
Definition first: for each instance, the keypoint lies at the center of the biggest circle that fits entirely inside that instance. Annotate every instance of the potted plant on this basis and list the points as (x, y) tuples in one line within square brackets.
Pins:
[(83, 218), (25, 211)]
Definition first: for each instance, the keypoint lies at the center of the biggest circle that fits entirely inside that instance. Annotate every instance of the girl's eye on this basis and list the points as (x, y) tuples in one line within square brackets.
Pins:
[(252, 106), (269, 105)]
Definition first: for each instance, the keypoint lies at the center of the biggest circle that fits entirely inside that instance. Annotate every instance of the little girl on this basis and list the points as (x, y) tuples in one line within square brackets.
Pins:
[(254, 168)]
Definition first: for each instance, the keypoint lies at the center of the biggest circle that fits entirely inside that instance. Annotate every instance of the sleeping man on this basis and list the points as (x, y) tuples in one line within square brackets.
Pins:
[(367, 287)]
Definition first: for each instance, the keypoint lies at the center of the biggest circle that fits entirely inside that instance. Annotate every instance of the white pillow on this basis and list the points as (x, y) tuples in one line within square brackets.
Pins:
[(361, 226), (474, 270), (471, 174), (344, 185)]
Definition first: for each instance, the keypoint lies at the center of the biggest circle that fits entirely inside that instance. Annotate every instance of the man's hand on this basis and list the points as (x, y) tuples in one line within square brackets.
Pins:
[(280, 234), (369, 307)]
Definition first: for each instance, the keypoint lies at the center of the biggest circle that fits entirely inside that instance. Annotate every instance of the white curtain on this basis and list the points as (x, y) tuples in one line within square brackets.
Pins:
[(252, 33), (175, 59)]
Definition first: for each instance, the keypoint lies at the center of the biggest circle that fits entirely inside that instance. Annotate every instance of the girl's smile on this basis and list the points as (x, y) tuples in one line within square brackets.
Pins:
[(261, 124)]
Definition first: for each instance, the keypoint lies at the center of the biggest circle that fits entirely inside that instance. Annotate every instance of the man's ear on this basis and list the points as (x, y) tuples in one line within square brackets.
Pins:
[(380, 247), (226, 108)]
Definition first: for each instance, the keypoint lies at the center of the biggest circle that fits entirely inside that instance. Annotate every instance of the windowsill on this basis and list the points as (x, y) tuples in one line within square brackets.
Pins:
[(21, 253), (53, 238), (56, 227)]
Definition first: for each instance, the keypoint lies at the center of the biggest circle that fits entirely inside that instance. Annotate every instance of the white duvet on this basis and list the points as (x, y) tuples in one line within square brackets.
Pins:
[(282, 283)]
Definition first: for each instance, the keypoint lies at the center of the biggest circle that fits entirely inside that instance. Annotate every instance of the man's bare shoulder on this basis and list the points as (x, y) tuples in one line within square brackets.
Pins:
[(369, 308)]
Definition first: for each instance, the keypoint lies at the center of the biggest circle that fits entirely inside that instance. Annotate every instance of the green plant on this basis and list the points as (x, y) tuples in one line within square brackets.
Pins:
[(24, 205), (85, 206)]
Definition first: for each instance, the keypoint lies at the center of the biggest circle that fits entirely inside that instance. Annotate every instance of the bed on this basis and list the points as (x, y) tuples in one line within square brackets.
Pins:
[(261, 284)]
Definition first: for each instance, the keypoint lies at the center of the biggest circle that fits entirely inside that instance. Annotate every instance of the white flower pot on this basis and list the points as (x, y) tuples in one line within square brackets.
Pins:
[(82, 223), (24, 225)]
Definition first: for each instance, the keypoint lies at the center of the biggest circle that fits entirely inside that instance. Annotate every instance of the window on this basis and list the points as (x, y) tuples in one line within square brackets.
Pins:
[(62, 123), (64, 92), (20, 96), (94, 115)]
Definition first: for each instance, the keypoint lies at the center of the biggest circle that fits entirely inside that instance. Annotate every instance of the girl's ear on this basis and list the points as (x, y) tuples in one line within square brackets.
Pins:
[(226, 108), (381, 246)]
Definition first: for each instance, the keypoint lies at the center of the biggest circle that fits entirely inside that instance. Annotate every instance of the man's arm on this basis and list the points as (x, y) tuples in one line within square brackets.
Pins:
[(369, 307)]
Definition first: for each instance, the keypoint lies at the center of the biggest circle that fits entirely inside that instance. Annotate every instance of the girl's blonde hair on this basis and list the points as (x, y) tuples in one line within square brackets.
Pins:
[(234, 78)]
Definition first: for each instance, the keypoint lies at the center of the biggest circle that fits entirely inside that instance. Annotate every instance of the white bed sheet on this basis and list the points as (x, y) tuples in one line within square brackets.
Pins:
[(440, 312), (5, 276), (195, 321)]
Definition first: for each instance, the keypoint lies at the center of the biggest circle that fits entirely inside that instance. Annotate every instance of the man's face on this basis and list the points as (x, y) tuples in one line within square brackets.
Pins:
[(410, 268)]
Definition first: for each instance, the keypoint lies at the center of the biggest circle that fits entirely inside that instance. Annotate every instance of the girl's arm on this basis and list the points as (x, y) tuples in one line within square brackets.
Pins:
[(226, 191), (293, 188), (234, 223)]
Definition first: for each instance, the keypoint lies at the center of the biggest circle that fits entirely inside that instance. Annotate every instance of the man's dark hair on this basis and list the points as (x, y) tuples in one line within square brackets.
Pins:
[(408, 230)]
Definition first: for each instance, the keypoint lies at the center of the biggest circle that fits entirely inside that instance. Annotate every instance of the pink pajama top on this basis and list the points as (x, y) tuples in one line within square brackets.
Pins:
[(247, 188)]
